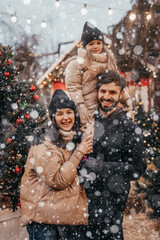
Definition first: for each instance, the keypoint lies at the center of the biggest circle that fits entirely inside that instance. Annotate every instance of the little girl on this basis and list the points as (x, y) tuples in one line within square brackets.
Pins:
[(82, 70)]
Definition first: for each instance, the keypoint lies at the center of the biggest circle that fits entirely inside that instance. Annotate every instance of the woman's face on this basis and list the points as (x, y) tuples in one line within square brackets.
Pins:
[(94, 46), (65, 119)]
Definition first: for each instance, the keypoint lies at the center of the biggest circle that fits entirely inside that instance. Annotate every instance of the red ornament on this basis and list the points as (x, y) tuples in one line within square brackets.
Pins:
[(9, 140), (32, 88), (8, 62), (19, 121), (6, 74), (0, 53), (27, 116), (17, 170), (35, 97), (19, 205)]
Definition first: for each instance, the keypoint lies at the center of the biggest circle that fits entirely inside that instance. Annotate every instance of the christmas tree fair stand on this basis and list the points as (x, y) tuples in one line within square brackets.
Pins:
[(10, 226)]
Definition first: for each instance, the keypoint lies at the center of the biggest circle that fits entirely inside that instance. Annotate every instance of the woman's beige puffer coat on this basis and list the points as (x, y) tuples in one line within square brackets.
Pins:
[(50, 190)]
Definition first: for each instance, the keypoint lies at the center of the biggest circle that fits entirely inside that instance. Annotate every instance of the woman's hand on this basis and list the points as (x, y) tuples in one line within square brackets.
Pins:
[(86, 146)]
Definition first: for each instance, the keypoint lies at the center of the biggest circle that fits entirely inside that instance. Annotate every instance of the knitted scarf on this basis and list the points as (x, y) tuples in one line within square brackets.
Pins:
[(67, 136)]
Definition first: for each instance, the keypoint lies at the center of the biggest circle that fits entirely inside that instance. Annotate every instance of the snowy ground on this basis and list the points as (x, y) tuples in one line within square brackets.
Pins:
[(139, 227), (136, 224)]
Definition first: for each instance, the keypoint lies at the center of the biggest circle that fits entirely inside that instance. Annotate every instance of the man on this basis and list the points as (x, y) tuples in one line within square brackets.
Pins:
[(118, 158)]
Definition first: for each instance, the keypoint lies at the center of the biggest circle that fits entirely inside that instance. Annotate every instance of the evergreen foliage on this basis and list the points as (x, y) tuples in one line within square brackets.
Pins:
[(20, 112), (150, 125)]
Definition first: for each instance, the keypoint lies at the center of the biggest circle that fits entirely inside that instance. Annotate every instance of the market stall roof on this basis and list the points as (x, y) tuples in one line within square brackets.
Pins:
[(56, 63)]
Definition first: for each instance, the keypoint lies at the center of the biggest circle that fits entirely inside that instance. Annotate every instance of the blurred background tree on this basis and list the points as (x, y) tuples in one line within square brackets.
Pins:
[(20, 112)]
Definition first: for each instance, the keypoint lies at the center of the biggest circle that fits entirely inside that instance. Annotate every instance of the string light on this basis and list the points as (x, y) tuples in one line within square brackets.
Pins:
[(110, 11), (132, 16), (43, 24), (84, 9), (57, 3), (13, 18), (148, 16), (28, 20)]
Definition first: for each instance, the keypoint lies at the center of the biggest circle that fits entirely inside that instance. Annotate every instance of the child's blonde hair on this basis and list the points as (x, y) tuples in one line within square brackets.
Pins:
[(111, 59)]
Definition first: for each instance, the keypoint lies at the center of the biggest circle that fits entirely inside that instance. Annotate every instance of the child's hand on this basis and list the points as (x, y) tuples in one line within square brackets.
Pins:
[(83, 113), (86, 145)]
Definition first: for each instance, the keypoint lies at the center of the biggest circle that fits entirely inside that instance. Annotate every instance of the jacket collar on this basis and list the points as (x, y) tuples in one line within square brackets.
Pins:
[(98, 116)]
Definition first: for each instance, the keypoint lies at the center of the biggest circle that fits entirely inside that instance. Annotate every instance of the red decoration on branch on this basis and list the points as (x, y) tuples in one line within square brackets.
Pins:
[(35, 97), (17, 170), (6, 74), (8, 62), (27, 116), (32, 88), (0, 53), (19, 121), (19, 205), (9, 140)]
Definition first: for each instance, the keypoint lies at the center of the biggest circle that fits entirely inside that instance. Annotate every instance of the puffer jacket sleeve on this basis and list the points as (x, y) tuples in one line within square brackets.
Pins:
[(126, 98), (126, 104), (58, 174), (73, 81)]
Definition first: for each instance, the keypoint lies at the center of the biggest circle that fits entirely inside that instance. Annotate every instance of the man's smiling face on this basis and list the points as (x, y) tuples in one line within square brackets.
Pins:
[(108, 96)]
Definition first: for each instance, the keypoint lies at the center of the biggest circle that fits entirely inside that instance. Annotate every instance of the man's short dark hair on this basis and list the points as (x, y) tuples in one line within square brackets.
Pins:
[(111, 76)]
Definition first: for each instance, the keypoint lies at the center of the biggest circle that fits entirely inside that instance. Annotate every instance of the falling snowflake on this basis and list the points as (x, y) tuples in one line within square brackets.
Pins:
[(70, 146), (34, 114), (14, 106), (39, 169), (114, 229), (30, 138), (80, 60), (138, 49), (138, 130)]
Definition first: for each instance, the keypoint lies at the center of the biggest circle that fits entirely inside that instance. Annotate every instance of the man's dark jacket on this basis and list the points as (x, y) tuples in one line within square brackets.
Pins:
[(118, 158)]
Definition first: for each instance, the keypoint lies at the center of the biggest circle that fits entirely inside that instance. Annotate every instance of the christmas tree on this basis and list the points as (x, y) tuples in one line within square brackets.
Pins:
[(150, 186), (20, 112)]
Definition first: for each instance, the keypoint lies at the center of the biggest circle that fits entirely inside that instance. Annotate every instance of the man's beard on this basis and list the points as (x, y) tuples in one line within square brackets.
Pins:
[(108, 109)]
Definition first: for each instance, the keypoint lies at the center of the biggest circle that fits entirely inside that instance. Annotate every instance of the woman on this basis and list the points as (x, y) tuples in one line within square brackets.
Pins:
[(51, 195)]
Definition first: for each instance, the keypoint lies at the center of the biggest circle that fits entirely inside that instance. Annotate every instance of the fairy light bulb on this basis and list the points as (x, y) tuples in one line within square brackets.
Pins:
[(110, 11), (132, 16), (148, 16), (84, 9), (43, 24), (13, 18), (57, 3)]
